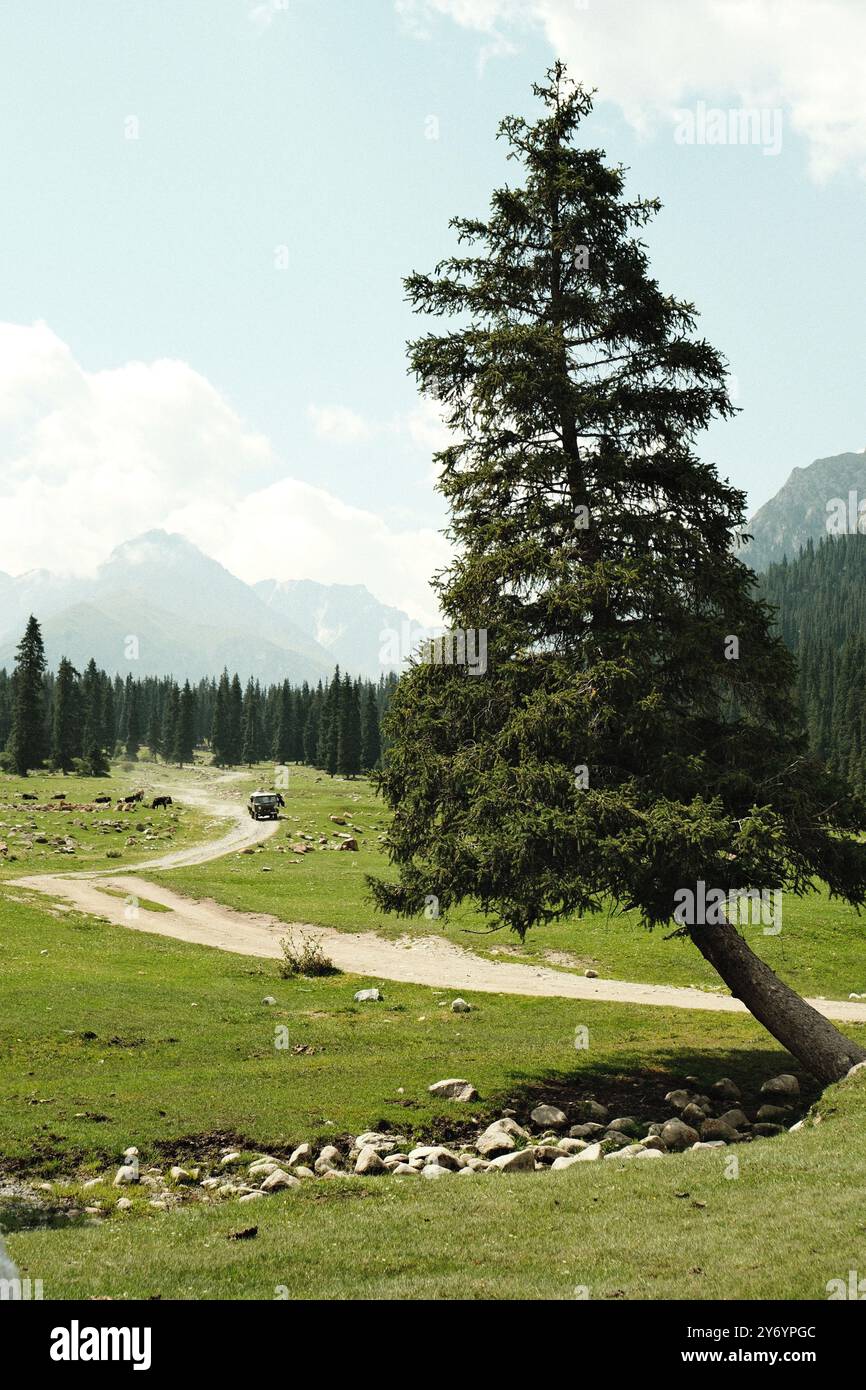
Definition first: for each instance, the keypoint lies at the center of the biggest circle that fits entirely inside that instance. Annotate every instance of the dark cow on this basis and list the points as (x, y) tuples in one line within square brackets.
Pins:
[(29, 796), (102, 801), (161, 801), (280, 801)]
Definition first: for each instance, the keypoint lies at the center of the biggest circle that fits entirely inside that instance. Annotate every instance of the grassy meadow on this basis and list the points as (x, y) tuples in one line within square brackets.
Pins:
[(819, 951)]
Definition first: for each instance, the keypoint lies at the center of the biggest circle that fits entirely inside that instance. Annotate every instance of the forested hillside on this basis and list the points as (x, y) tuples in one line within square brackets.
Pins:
[(821, 601)]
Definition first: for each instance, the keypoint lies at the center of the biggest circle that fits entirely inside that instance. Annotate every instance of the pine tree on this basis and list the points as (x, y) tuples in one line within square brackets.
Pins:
[(371, 743), (349, 729), (27, 737), (66, 725), (221, 726), (236, 716), (132, 736), (170, 722), (184, 736), (284, 740), (251, 733), (612, 751)]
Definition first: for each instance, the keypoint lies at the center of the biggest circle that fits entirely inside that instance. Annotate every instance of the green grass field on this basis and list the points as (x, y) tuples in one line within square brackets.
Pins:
[(821, 949), (116, 1038), (41, 840)]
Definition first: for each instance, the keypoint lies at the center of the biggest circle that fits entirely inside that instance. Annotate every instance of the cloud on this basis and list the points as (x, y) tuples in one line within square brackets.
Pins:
[(422, 426), (90, 459), (338, 424), (804, 56)]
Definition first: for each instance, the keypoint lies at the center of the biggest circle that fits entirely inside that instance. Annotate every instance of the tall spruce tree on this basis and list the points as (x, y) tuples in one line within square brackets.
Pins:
[(236, 719), (27, 742), (618, 748), (371, 743), (132, 709), (221, 727), (184, 734), (170, 720), (66, 722), (284, 740), (251, 735)]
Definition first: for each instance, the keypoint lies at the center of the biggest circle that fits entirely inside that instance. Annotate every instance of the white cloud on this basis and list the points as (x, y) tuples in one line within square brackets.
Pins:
[(422, 426), (90, 459), (338, 424), (650, 58)]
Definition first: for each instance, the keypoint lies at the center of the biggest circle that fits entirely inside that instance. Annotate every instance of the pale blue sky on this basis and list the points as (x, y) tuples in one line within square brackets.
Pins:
[(306, 127)]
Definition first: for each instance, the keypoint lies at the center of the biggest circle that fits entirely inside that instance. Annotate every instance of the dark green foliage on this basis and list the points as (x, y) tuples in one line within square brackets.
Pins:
[(66, 723), (595, 549), (371, 743), (27, 740)]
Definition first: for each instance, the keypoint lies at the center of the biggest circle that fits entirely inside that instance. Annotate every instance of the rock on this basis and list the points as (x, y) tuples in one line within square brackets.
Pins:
[(329, 1158), (368, 996), (129, 1154), (460, 1006), (350, 843), (627, 1124), (209, 1184), (183, 1176), (521, 1162), (737, 1119), (263, 1168), (853, 1070), (795, 1128), (123, 1204), (589, 1155), (269, 999), (471, 1171), (708, 1144), (394, 1160), (127, 1173), (495, 1141), (678, 1136), (368, 1162), (649, 1153), (571, 1146), (228, 1160), (303, 1172), (247, 1197), (548, 1117), (784, 1085), (775, 1113), (546, 1153), (453, 1088), (717, 1129), (437, 1156), (614, 1140), (93, 1182), (654, 1142), (693, 1115), (405, 1170), (590, 974), (726, 1089), (300, 1155), (587, 1131), (591, 1110), (276, 1182), (435, 1170), (768, 1131), (566, 1161), (678, 1100)]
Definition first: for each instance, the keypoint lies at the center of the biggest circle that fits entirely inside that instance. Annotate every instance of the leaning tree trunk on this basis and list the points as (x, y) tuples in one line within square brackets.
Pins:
[(808, 1035)]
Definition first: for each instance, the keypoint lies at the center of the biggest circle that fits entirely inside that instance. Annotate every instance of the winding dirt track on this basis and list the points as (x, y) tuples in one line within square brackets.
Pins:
[(413, 960)]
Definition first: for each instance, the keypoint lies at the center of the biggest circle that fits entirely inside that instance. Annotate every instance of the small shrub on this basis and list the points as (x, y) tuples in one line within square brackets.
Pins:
[(303, 955)]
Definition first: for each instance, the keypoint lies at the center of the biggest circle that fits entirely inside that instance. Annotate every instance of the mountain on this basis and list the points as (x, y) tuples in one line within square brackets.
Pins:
[(187, 615), (344, 618), (799, 511)]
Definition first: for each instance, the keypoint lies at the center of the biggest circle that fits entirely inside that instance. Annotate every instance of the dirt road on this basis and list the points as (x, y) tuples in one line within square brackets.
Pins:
[(412, 960)]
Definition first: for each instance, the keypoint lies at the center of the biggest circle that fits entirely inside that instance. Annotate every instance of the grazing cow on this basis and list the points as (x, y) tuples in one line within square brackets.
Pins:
[(161, 801), (29, 796), (102, 801), (280, 801)]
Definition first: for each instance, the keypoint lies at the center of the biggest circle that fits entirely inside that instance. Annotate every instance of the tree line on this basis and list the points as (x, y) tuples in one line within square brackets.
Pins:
[(76, 721)]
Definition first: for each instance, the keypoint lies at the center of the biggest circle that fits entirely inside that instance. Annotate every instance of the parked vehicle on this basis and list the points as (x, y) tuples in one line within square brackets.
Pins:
[(265, 805)]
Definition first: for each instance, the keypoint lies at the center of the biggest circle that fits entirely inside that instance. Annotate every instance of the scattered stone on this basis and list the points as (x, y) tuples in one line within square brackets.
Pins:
[(453, 1088), (726, 1089), (678, 1100), (329, 1158), (269, 1000), (405, 1170), (589, 1155), (591, 1110), (737, 1119), (548, 1117), (650, 1153), (679, 1136), (566, 1161), (693, 1115), (627, 1124), (768, 1131), (276, 1182), (368, 1162), (127, 1173), (435, 1170), (368, 996), (460, 1006), (708, 1144), (229, 1159), (300, 1155), (775, 1113), (123, 1204), (784, 1085), (521, 1162), (590, 974), (183, 1176), (263, 1168), (250, 1196), (858, 1067), (718, 1130), (587, 1131), (571, 1146)]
